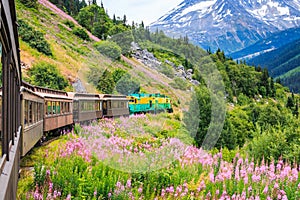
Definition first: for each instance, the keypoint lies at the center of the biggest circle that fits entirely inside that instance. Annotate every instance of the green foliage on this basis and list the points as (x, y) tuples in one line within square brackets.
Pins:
[(276, 142), (179, 83), (118, 74), (106, 83), (34, 38), (69, 23), (127, 85), (124, 40), (80, 32), (47, 75), (30, 3), (71, 7), (167, 70), (94, 75), (109, 49), (290, 103)]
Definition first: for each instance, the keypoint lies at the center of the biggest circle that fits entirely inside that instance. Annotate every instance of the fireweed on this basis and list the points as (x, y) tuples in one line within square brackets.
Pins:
[(88, 166)]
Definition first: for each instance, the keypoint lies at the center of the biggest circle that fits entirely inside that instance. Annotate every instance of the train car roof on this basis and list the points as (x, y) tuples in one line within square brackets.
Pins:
[(112, 97), (24, 89), (75, 95), (147, 95), (53, 96)]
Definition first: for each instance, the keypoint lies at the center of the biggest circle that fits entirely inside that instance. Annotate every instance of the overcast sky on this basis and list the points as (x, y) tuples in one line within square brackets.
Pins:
[(138, 10)]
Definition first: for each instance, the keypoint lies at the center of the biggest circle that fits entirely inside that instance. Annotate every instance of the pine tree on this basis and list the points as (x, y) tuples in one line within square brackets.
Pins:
[(106, 83), (114, 19), (296, 109), (290, 103), (272, 87), (124, 19)]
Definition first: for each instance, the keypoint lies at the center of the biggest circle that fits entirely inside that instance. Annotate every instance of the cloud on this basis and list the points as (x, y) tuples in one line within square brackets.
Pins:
[(140, 10)]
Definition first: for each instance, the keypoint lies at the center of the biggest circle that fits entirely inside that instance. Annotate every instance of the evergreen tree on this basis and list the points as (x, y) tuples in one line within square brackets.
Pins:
[(272, 87), (124, 19), (296, 111), (106, 83), (127, 85), (114, 19), (95, 2), (290, 103), (30, 3)]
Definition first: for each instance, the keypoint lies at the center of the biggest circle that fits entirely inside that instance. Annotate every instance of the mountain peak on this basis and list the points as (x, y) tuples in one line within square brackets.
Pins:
[(229, 25)]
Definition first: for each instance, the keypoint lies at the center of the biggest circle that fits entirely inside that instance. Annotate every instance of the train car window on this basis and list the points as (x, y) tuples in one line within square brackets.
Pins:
[(33, 112), (30, 112), (100, 104), (109, 104), (39, 111), (49, 108), (26, 113), (57, 107), (61, 107), (115, 104), (45, 107), (81, 105), (53, 108), (97, 106)]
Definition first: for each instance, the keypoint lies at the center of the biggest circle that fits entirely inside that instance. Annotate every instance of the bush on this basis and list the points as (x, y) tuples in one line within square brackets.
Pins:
[(106, 83), (30, 3), (80, 32), (34, 38), (109, 49), (47, 75), (69, 23), (179, 83), (167, 70), (126, 85)]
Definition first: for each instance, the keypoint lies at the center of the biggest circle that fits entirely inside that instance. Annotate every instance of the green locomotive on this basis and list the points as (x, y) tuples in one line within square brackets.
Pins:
[(152, 103)]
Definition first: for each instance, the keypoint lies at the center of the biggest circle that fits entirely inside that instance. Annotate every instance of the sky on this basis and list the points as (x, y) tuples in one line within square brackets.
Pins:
[(139, 10)]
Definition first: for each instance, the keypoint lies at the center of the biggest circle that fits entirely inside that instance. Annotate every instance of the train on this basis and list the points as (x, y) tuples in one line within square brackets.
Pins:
[(152, 103), (45, 110)]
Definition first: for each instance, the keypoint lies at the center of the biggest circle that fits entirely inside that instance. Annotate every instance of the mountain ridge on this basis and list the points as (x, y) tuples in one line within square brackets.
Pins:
[(228, 25)]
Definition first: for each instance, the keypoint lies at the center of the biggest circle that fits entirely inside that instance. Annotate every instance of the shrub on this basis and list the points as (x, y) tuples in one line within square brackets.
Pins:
[(47, 75), (69, 23), (34, 38), (126, 85), (80, 32), (167, 70), (179, 83), (106, 83), (30, 3), (109, 49)]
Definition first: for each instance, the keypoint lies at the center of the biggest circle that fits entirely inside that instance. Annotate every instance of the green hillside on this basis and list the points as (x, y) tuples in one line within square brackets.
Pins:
[(283, 63)]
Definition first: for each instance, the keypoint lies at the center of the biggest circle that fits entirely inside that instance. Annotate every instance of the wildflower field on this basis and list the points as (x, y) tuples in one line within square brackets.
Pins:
[(150, 157)]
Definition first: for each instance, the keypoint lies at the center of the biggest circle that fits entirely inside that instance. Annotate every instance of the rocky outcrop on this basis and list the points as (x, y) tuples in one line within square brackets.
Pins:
[(78, 86), (148, 59)]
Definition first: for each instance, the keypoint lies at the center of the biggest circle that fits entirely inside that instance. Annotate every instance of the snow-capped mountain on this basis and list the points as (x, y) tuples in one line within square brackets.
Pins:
[(229, 24)]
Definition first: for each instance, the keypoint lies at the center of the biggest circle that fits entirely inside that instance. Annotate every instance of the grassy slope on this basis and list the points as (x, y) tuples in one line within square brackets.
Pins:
[(73, 56)]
